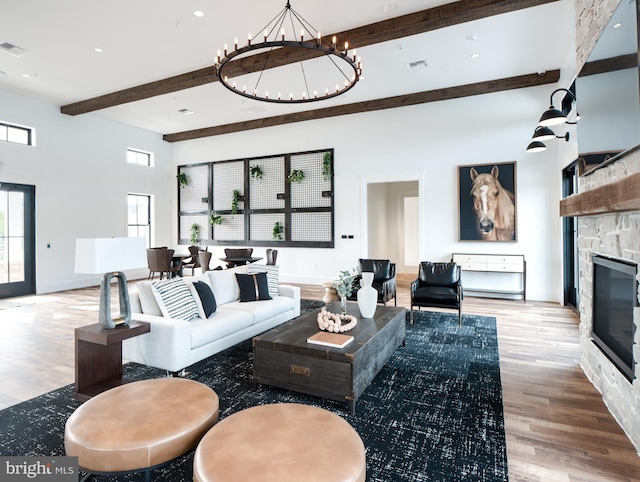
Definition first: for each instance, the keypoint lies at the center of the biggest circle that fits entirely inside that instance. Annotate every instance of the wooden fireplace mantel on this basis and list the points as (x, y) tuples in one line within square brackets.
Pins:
[(618, 196)]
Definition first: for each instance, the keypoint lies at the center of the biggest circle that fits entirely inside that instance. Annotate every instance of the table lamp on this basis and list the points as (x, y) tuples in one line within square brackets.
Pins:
[(109, 256)]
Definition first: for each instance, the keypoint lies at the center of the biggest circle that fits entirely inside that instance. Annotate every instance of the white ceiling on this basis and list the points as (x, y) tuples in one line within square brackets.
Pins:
[(149, 40)]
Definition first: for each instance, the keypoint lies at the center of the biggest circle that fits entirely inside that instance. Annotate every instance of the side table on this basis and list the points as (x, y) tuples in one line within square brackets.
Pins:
[(99, 357)]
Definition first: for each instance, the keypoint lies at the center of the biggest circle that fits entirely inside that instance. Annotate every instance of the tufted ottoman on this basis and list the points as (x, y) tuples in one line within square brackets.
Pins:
[(140, 425), (283, 442)]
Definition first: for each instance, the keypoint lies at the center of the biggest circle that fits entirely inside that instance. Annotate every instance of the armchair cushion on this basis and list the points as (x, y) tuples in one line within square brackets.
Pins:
[(438, 274), (436, 294), (381, 268)]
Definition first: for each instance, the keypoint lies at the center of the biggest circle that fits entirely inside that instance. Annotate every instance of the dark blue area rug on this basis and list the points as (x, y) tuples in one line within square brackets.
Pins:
[(433, 413)]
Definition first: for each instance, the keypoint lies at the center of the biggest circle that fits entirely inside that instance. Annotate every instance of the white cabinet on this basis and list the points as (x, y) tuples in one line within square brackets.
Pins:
[(494, 263)]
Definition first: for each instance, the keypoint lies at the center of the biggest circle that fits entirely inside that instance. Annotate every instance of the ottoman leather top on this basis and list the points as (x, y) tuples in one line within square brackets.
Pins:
[(282, 442), (140, 424)]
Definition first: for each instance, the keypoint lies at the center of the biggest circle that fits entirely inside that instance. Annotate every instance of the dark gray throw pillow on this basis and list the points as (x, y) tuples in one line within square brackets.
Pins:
[(253, 287), (207, 297)]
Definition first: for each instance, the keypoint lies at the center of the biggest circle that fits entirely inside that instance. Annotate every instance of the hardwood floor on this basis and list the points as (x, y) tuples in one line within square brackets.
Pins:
[(557, 426)]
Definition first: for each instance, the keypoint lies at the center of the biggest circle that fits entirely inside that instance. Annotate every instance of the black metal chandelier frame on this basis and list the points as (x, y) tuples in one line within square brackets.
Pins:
[(275, 27)]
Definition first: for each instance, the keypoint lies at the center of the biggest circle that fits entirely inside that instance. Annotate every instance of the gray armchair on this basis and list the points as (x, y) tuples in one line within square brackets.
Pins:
[(438, 285)]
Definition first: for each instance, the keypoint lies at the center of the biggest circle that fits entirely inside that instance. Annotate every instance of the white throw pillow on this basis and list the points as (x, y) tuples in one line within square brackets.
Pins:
[(148, 301), (273, 273), (224, 284), (175, 299)]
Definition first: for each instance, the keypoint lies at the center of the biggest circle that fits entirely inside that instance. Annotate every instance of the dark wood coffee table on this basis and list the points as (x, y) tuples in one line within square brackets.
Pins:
[(284, 359)]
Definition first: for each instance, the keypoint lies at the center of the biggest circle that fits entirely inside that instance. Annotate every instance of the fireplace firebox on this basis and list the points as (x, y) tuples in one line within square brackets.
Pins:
[(615, 289)]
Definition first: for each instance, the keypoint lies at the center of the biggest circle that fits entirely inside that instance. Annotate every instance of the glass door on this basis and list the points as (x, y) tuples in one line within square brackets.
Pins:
[(17, 240)]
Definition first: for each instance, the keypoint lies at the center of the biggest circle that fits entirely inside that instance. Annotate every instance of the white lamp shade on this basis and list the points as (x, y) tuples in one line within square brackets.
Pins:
[(103, 255)]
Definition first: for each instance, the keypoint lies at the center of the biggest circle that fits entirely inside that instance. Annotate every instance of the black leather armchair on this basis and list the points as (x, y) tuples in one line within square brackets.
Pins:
[(384, 279), (438, 285)]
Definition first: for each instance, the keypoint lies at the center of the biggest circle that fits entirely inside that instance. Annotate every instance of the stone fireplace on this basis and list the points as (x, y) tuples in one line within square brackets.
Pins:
[(610, 228)]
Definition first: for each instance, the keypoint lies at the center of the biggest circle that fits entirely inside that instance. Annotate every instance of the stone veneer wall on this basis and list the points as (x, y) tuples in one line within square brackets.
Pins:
[(616, 235), (591, 18)]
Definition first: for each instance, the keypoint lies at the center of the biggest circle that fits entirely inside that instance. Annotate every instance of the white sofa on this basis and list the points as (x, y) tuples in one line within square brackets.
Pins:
[(174, 344)]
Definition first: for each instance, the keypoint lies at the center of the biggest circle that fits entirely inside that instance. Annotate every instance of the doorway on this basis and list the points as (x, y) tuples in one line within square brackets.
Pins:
[(570, 242), (393, 223), (17, 240)]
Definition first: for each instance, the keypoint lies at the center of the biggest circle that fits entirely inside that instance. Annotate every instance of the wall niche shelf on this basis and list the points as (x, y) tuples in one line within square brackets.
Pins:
[(305, 209)]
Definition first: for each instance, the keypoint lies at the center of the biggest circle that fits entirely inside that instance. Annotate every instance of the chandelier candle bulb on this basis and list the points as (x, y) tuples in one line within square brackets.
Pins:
[(266, 94), (283, 35), (319, 38), (235, 43), (265, 35), (249, 39), (333, 42), (301, 35), (346, 47)]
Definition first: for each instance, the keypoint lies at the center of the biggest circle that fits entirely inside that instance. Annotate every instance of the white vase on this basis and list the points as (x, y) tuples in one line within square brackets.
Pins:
[(367, 296)]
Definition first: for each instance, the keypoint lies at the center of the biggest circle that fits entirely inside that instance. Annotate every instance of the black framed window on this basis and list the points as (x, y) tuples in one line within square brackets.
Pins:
[(17, 134), (139, 217), (142, 158)]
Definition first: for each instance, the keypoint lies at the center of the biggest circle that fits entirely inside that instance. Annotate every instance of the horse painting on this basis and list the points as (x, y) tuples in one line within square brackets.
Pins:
[(493, 206)]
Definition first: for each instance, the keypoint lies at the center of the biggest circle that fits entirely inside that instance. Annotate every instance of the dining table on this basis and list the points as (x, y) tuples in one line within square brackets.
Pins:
[(176, 260), (234, 261)]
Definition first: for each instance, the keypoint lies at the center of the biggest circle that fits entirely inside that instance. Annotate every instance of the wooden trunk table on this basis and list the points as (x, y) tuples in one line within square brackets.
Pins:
[(284, 359)]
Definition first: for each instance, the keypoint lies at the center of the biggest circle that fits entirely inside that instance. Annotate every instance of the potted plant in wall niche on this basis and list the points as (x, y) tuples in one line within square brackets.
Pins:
[(183, 181), (235, 201), (278, 231), (256, 172), (326, 166), (193, 238), (296, 175), (215, 219)]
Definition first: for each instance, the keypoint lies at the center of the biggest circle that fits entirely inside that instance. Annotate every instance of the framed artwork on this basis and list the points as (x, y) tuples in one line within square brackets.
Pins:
[(487, 202)]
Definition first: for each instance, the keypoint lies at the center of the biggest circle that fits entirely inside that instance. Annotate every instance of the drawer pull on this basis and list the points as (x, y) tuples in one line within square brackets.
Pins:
[(298, 370)]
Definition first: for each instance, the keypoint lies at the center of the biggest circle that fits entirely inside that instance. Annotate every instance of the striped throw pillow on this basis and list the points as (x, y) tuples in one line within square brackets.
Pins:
[(175, 299), (273, 273)]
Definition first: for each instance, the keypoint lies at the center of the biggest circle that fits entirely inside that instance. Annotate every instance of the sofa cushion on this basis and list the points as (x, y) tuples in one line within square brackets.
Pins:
[(220, 324), (148, 301), (273, 274), (190, 281), (175, 299), (253, 287), (224, 284), (207, 299), (261, 310)]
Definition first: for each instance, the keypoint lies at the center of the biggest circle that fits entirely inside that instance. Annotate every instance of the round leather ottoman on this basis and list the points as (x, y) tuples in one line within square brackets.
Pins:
[(140, 425), (283, 442)]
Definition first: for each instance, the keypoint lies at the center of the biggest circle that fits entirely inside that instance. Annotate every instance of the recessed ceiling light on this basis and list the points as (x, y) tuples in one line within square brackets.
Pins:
[(26, 76), (389, 8), (186, 111), (199, 13), (98, 49), (475, 56), (617, 25), (471, 38), (2, 73)]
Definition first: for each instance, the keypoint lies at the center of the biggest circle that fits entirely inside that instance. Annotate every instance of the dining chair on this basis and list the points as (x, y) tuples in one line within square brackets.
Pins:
[(204, 258), (272, 255), (159, 261), (194, 261)]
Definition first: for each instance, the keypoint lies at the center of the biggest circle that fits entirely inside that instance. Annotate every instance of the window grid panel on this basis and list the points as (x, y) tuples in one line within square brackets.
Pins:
[(308, 193), (227, 176), (202, 220), (262, 226), (195, 196), (231, 229), (311, 227), (264, 192)]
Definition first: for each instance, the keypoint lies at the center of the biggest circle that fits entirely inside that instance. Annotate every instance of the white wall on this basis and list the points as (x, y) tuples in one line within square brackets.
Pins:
[(431, 140), (82, 179)]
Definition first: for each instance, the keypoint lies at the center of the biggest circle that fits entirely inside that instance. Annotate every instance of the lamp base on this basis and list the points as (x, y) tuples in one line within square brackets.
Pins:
[(104, 313)]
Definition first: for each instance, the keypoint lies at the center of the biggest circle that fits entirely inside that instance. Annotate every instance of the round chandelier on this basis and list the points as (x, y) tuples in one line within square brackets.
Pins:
[(323, 70)]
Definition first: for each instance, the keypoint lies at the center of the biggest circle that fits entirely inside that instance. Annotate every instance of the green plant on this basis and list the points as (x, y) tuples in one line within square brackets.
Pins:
[(278, 231), (183, 181), (345, 283), (256, 172), (235, 200), (194, 234), (326, 166), (296, 175), (215, 219)]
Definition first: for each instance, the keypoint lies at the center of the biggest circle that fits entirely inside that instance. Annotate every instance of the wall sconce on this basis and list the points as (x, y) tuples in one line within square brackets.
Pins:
[(551, 117)]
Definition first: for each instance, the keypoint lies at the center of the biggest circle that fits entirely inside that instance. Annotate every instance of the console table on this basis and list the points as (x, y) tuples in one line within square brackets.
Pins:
[(494, 263), (99, 357)]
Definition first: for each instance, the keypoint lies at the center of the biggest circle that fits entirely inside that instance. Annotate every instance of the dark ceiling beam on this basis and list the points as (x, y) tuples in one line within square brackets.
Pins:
[(487, 87), (621, 62), (412, 24)]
